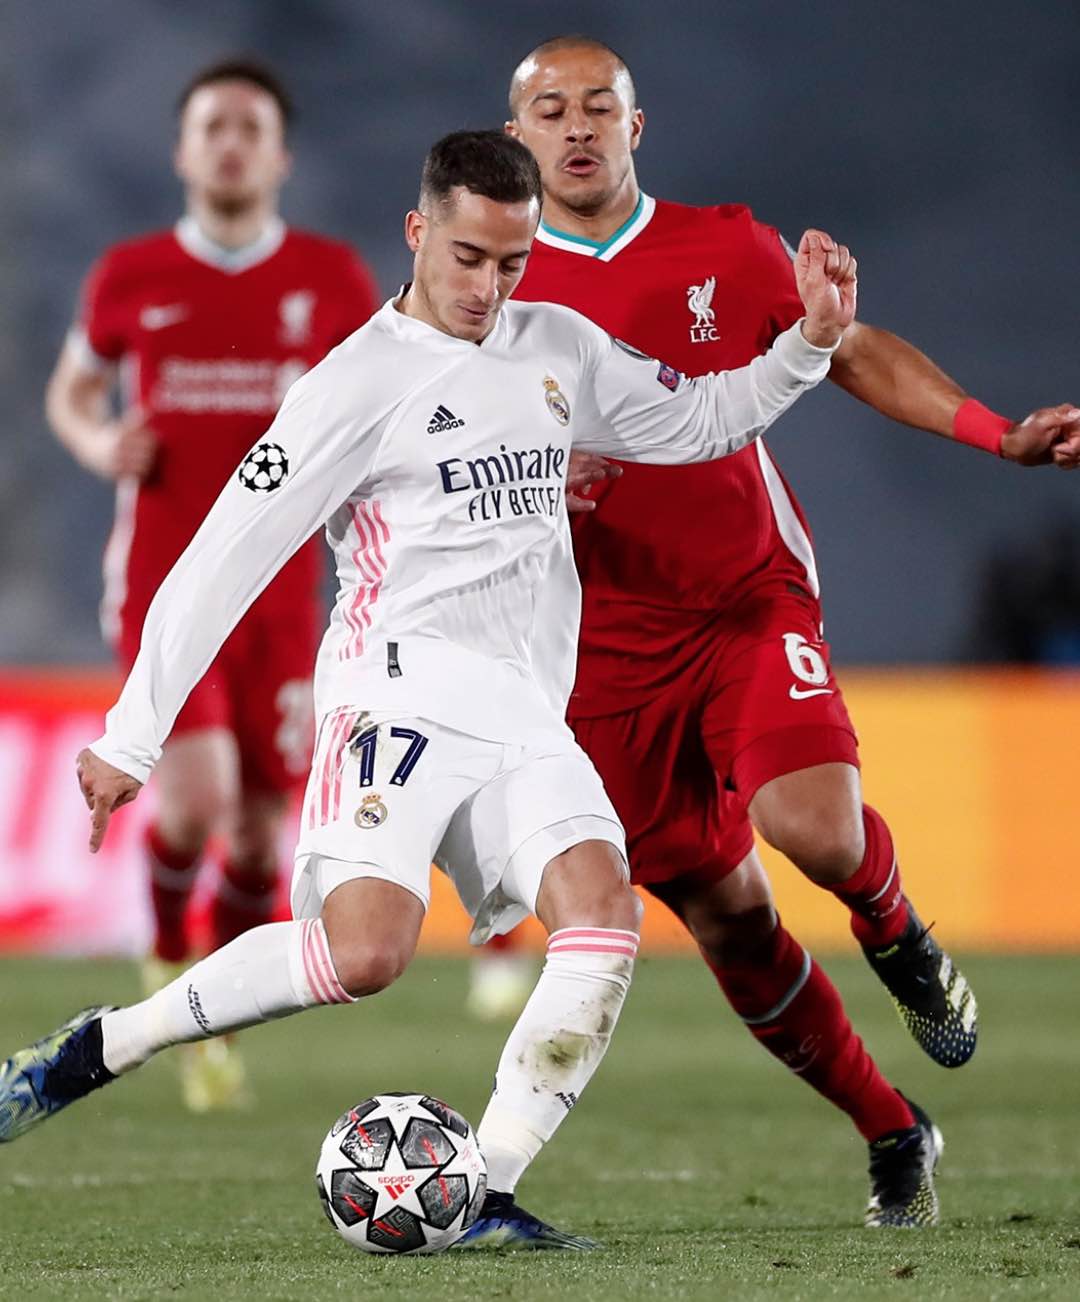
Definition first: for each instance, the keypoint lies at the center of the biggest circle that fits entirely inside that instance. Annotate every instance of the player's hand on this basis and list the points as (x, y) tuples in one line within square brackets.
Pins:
[(125, 447), (825, 273), (104, 789), (1049, 436), (584, 470)]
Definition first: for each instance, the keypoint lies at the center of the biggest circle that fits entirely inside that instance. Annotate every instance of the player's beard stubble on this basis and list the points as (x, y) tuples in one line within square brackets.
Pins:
[(588, 202)]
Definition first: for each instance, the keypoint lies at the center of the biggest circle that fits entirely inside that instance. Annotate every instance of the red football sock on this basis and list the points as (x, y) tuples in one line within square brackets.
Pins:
[(244, 898), (874, 893), (792, 1009), (172, 879)]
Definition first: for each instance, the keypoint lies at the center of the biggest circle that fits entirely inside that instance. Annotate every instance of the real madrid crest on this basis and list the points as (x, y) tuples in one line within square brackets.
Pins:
[(556, 401), (372, 812)]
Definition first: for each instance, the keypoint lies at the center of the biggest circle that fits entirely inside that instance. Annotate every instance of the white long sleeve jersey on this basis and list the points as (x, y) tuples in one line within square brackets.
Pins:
[(438, 467)]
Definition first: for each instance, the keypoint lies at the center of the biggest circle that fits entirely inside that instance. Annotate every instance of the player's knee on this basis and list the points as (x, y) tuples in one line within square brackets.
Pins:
[(365, 967), (187, 827), (587, 886), (825, 842), (735, 939), (611, 903), (255, 850)]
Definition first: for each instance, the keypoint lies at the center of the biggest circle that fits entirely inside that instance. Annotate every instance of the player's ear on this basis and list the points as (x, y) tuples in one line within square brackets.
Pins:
[(415, 224), (637, 126), (511, 129), (178, 158)]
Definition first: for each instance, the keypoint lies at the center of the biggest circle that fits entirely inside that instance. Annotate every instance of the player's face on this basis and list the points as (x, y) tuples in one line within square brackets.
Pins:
[(470, 254), (575, 112), (231, 153)]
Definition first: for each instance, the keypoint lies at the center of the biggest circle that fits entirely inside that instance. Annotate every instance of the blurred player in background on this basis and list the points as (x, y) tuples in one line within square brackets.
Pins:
[(207, 325), (704, 694)]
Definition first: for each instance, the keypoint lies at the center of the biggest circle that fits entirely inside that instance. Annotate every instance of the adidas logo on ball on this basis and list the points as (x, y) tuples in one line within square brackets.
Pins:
[(265, 468)]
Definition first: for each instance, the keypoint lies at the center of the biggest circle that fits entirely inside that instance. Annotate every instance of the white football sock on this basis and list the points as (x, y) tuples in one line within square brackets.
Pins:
[(268, 972), (557, 1044)]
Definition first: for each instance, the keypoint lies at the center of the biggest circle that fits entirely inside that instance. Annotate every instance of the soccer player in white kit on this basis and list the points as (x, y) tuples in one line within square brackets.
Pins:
[(433, 446)]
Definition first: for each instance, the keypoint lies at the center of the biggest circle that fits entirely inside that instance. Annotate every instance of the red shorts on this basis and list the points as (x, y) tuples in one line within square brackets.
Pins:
[(756, 700), (259, 688)]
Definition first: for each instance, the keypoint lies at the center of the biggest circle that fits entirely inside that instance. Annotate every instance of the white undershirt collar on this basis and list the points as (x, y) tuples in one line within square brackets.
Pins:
[(197, 244)]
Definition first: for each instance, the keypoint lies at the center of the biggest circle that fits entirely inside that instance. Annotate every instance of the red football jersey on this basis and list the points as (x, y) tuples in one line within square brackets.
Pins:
[(669, 548), (208, 341)]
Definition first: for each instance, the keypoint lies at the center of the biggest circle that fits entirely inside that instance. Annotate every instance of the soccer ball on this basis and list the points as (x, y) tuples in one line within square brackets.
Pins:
[(401, 1173), (265, 468)]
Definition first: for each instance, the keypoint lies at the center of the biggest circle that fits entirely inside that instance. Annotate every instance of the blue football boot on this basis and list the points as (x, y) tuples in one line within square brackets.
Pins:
[(503, 1224), (57, 1070)]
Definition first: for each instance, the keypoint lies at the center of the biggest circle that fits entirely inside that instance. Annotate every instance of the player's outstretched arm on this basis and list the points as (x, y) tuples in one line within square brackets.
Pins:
[(634, 408), (894, 377), (319, 450), (105, 789)]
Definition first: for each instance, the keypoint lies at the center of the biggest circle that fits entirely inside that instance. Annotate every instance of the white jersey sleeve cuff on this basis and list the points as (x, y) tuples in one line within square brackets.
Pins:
[(803, 359), (119, 759)]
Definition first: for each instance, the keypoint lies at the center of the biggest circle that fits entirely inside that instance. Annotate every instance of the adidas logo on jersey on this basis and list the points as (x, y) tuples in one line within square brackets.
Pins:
[(443, 419)]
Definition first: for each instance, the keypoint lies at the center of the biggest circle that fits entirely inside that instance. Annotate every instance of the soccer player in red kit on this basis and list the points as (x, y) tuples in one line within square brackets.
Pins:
[(207, 325), (705, 695)]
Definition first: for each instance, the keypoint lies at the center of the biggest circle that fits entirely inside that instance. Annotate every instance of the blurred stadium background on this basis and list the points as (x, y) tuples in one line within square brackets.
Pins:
[(938, 141)]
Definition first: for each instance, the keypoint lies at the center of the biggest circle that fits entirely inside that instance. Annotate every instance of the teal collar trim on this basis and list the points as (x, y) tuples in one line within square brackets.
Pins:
[(605, 250)]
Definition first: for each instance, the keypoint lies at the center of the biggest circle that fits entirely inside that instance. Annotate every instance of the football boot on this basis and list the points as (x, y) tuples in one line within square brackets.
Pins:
[(53, 1072), (902, 1165), (931, 994), (503, 1224)]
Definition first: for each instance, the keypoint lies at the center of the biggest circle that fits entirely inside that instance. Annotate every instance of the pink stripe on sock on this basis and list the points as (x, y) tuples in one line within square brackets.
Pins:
[(321, 950), (629, 951), (593, 940), (318, 987), (602, 933)]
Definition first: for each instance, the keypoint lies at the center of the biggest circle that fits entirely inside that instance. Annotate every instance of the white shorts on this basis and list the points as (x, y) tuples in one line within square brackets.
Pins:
[(388, 796)]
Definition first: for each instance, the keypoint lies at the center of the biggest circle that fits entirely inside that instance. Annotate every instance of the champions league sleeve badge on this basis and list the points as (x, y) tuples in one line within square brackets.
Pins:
[(556, 401), (668, 376), (265, 468)]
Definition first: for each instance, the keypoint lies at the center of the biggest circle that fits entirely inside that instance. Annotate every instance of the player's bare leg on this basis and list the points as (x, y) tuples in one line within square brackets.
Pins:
[(793, 1010), (501, 975), (593, 918), (816, 817)]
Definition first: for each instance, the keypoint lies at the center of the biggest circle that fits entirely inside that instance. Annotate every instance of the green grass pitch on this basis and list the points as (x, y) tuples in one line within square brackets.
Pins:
[(706, 1170)]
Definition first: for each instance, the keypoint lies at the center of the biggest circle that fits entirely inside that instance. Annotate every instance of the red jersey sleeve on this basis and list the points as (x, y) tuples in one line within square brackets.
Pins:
[(777, 272), (359, 295), (101, 311)]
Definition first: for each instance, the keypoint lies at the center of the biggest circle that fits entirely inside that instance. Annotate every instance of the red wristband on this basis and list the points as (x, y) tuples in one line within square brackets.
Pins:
[(979, 427)]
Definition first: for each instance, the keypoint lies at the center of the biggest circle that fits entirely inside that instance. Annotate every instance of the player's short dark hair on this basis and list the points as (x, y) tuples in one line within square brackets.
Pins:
[(569, 41), (488, 163), (241, 68)]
